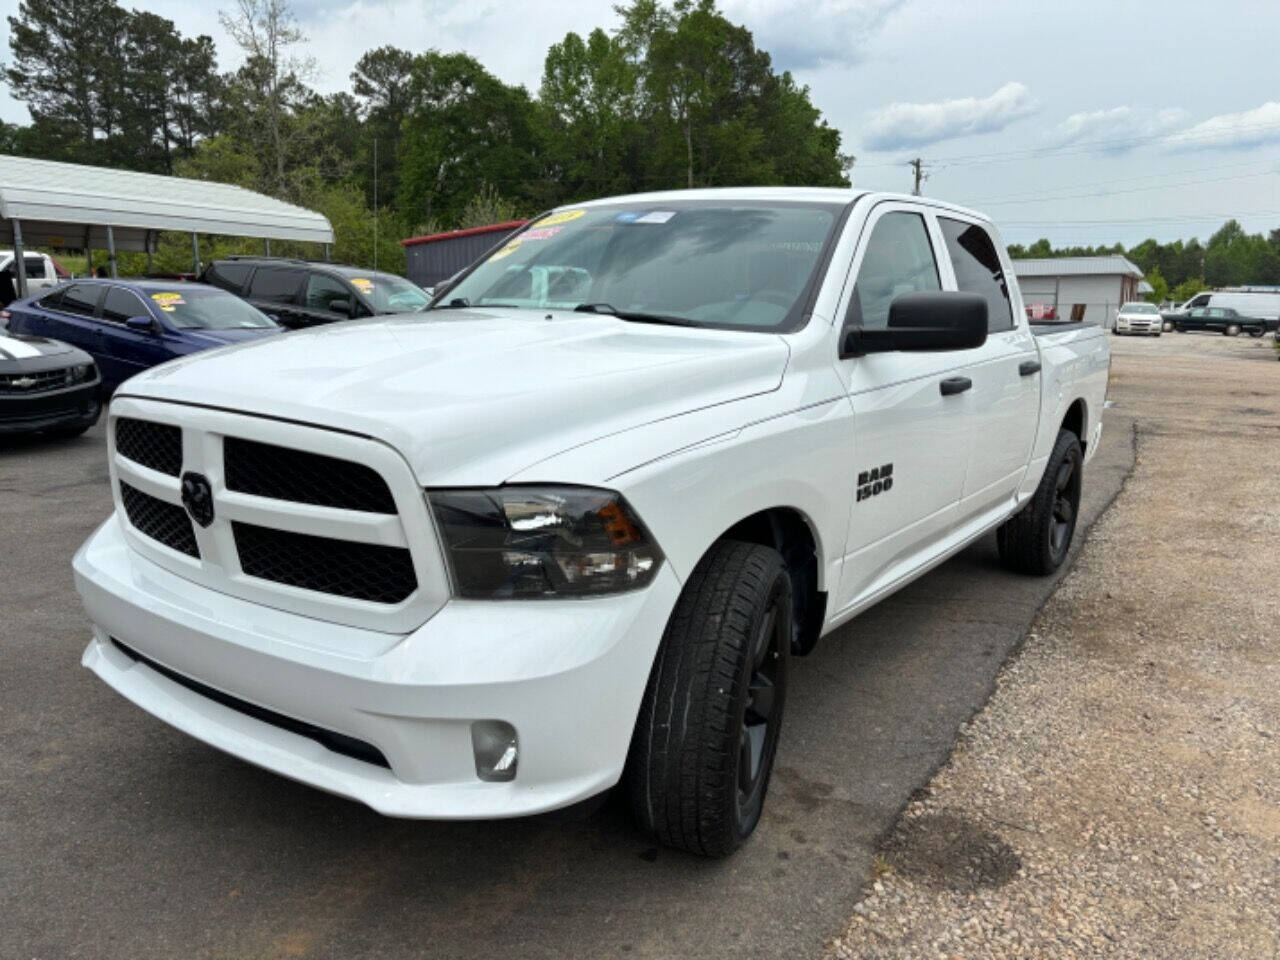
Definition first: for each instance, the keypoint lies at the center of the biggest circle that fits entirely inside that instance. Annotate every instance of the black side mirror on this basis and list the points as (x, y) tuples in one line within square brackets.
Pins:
[(341, 305), (143, 324), (935, 320)]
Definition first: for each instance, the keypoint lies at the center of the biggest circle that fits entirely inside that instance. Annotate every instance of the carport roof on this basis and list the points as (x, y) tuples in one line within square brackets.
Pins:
[(1114, 265), (70, 205)]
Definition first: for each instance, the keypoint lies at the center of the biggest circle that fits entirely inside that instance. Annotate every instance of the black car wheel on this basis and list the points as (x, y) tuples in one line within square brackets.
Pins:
[(1256, 332), (1038, 537), (1232, 330), (704, 742)]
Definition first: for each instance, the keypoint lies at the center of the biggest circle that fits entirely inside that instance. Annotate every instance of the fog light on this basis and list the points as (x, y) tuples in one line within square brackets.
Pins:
[(496, 750)]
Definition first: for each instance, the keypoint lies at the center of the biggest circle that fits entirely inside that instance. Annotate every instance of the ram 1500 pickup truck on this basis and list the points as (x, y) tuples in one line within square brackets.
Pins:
[(568, 528)]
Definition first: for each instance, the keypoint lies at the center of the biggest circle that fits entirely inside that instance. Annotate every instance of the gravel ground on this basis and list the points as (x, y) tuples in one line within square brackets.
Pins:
[(1119, 796)]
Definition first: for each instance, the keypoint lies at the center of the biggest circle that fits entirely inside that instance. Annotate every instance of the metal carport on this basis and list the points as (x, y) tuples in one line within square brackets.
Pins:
[(48, 203)]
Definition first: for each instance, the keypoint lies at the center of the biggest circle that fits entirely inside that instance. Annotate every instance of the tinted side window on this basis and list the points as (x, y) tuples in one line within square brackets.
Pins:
[(80, 299), (34, 267), (277, 284), (898, 259), (52, 301), (1201, 300), (322, 290), (120, 305), (229, 276), (978, 270)]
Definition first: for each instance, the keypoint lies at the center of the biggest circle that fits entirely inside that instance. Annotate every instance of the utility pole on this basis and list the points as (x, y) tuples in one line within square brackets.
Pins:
[(917, 169), (375, 204)]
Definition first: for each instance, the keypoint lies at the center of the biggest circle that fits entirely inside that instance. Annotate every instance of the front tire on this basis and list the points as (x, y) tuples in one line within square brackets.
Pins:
[(1038, 537), (1233, 330), (703, 748)]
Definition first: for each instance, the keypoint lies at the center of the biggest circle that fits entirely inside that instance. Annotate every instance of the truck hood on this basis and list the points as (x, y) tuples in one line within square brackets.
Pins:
[(471, 397)]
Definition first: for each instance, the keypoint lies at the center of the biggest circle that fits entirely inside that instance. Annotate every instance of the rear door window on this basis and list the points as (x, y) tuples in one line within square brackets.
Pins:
[(898, 259), (277, 284), (229, 276), (80, 299), (120, 304), (978, 270)]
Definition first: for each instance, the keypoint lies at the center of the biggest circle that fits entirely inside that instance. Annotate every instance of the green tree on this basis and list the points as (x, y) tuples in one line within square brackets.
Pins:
[(381, 85), (1159, 286), (1187, 289)]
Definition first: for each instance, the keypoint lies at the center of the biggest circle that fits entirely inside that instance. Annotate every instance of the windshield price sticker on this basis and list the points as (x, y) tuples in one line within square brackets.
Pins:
[(564, 216), (540, 233), (168, 301), (656, 216), (363, 284), (507, 251)]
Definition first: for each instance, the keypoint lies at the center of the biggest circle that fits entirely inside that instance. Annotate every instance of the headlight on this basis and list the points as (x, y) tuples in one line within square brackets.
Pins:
[(80, 372), (538, 541)]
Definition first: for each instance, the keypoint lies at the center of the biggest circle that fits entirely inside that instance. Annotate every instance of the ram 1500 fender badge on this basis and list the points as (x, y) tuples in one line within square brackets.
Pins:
[(197, 497), (875, 481)]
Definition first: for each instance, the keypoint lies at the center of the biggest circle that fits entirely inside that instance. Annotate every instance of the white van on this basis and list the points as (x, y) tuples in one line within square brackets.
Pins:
[(1248, 303)]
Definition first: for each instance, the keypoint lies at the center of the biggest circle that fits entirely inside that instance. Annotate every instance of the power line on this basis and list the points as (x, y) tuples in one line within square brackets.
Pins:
[(1113, 193)]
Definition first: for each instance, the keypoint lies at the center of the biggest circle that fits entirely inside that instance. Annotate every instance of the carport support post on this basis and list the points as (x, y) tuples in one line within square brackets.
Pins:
[(267, 245), (111, 252), (195, 254), (19, 264), (326, 253), (148, 243)]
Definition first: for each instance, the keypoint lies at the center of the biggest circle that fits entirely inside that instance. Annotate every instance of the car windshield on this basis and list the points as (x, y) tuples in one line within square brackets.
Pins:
[(390, 294), (722, 264), (1140, 308), (207, 308)]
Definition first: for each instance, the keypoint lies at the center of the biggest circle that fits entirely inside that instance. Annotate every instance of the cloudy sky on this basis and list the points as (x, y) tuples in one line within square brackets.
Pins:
[(1086, 121)]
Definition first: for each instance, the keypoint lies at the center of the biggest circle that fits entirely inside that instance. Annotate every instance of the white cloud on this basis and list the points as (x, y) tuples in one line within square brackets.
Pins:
[(1231, 131), (1117, 129), (802, 34), (901, 125)]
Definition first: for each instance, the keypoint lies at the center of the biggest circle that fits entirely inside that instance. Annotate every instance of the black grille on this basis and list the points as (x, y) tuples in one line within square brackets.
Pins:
[(154, 445), (266, 470), (25, 383), (362, 571), (337, 742), (159, 520)]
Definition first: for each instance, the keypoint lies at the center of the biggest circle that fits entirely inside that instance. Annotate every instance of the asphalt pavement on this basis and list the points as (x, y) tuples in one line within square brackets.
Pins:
[(122, 838)]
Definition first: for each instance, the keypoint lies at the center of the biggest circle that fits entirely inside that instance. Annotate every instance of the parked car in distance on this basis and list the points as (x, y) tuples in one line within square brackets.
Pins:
[(567, 528), (304, 293), (1260, 305), (130, 325), (1138, 317), (1224, 320), (46, 386), (42, 270)]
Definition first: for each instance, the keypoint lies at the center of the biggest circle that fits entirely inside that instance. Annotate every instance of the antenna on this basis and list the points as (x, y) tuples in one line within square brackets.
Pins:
[(375, 204)]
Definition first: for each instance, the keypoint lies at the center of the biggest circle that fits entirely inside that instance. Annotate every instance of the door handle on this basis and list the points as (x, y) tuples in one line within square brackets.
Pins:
[(1027, 367), (955, 385)]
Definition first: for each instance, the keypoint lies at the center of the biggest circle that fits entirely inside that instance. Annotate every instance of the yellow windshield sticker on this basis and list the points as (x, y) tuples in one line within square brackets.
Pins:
[(168, 300), (363, 284), (507, 251), (564, 216)]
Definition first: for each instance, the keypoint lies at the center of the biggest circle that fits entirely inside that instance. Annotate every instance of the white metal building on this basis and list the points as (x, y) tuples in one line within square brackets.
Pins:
[(1083, 289), (47, 203)]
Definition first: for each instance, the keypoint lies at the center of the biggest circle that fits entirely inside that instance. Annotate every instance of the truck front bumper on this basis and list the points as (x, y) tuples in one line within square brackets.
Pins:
[(567, 675)]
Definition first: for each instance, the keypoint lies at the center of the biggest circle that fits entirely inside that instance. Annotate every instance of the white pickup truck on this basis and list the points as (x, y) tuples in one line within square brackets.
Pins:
[(569, 527)]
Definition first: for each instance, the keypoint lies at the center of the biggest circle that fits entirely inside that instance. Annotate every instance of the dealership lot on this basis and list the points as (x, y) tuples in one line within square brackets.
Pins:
[(121, 837)]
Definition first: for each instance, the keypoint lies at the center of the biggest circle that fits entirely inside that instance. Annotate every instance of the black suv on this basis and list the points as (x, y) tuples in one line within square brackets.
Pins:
[(304, 293)]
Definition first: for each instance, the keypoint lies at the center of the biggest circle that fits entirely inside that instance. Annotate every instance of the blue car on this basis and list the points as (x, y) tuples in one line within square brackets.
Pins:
[(130, 325)]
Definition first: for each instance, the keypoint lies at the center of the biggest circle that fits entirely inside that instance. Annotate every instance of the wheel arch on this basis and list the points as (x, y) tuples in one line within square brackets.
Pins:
[(1076, 420), (793, 534)]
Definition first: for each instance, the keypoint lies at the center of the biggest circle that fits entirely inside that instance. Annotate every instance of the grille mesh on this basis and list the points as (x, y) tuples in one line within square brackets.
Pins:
[(266, 470), (362, 571), (24, 383), (165, 522), (154, 445)]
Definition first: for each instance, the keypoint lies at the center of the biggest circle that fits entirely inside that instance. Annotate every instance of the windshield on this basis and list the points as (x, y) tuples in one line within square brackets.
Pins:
[(388, 293), (206, 308), (1139, 308), (727, 264)]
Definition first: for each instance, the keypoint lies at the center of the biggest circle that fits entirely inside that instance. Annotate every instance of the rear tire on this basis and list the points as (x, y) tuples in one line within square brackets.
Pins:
[(703, 748), (1256, 332), (1038, 537)]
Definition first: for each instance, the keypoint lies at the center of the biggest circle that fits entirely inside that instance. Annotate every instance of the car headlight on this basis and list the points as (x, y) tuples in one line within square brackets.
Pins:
[(80, 373), (522, 542)]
